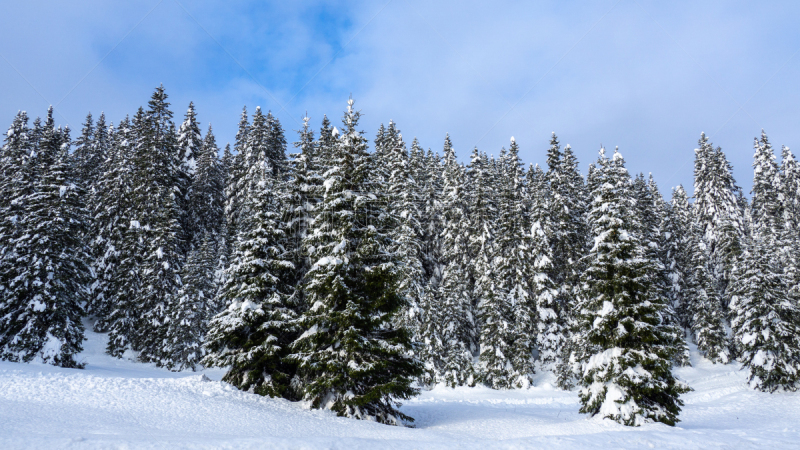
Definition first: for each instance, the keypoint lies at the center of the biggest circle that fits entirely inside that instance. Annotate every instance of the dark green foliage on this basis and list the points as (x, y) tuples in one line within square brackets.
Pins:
[(764, 318), (627, 375), (352, 293), (253, 334), (44, 259)]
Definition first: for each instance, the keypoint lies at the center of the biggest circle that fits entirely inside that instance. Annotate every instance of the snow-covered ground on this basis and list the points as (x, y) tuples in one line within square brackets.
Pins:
[(120, 404)]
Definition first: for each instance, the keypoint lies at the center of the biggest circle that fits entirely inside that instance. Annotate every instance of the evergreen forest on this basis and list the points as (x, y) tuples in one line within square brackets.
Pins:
[(350, 273)]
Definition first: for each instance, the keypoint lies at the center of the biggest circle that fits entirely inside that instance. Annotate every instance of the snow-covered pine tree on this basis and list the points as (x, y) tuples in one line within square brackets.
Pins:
[(253, 334), (82, 153), (326, 145), (567, 222), (495, 325), (677, 230), (206, 196), (42, 305), (717, 210), (195, 304), (651, 217), (765, 208), (304, 193), (502, 277), (764, 319), (402, 201), (549, 319), (189, 147), (190, 141), (790, 192), (188, 316), (446, 332), (235, 171), (119, 244), (429, 176), (764, 315), (703, 308), (90, 153), (276, 146), (156, 208), (627, 376), (16, 180), (353, 290)]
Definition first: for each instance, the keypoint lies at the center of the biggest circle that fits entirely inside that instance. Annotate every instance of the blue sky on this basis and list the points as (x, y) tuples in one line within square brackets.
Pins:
[(643, 75)]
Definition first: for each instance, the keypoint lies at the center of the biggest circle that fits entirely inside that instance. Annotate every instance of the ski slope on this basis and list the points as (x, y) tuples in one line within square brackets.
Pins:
[(117, 403)]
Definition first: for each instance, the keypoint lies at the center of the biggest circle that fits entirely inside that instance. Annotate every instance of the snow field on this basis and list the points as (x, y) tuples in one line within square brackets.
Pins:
[(121, 404)]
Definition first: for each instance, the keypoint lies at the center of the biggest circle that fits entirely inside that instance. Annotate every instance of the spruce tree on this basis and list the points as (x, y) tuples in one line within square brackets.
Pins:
[(353, 290), (790, 192), (156, 211), (42, 304), (206, 196), (254, 333), (678, 233), (233, 181), (304, 194), (402, 201), (188, 316), (549, 319), (764, 319), (119, 244), (651, 219), (189, 147), (494, 328), (628, 377), (717, 210), (447, 330), (15, 184), (765, 208), (705, 315)]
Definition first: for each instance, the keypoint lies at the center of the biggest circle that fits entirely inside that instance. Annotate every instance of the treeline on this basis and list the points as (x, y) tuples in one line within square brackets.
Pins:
[(349, 277)]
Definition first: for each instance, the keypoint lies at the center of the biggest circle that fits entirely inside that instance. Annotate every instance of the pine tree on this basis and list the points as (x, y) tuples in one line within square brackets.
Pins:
[(446, 332), (353, 290), (766, 205), (119, 243), (705, 315), (254, 333), (233, 182), (790, 192), (90, 153), (549, 318), (188, 314), (678, 230), (189, 147), (83, 152), (42, 304), (206, 196), (402, 204), (429, 177), (566, 214), (651, 217), (190, 141), (494, 328), (305, 186), (515, 271), (717, 210), (764, 318), (628, 377), (15, 184), (188, 317), (156, 209)]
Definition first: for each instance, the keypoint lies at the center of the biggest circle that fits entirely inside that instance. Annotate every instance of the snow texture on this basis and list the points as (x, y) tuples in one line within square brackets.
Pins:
[(116, 403)]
